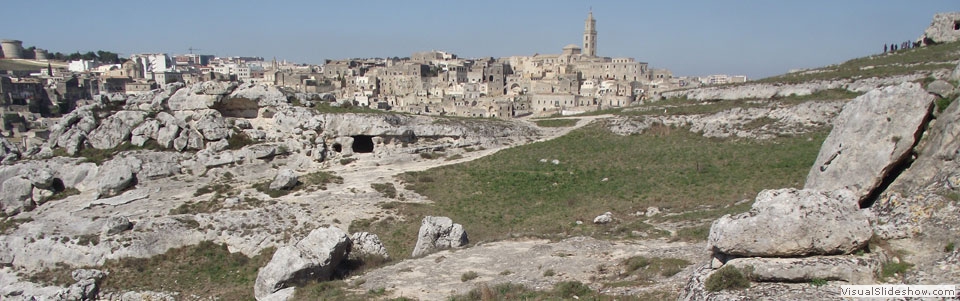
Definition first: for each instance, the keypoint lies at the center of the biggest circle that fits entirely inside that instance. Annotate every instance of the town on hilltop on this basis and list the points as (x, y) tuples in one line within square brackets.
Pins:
[(431, 82)]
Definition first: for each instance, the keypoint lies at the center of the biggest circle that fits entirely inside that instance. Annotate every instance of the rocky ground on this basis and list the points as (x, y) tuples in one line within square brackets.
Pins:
[(182, 165)]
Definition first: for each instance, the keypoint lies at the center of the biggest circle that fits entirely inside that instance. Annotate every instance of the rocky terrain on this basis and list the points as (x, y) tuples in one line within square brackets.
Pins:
[(269, 173)]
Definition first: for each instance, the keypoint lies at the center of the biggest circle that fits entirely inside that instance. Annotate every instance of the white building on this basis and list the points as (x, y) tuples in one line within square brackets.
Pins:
[(81, 65)]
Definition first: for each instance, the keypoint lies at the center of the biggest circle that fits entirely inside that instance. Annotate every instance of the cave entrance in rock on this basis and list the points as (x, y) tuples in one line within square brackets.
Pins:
[(337, 147), (362, 144)]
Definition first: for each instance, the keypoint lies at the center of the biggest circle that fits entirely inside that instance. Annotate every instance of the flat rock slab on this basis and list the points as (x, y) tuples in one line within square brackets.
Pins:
[(852, 269), (872, 135)]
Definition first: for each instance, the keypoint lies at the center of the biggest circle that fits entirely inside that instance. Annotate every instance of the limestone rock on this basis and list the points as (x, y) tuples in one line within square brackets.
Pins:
[(604, 218), (86, 287), (194, 139), (114, 176), (40, 195), (213, 128), (146, 131), (438, 233), (116, 225), (15, 195), (199, 96), (940, 87), (791, 222), (156, 165), (872, 135), (263, 95), (72, 140), (367, 244), (942, 29), (8, 149), (285, 179), (652, 211), (851, 269), (313, 258), (115, 129)]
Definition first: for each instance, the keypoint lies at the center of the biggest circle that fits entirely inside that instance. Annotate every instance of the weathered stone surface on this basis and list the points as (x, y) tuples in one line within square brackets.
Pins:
[(146, 131), (15, 195), (114, 176), (791, 222), (941, 29), (199, 96), (213, 128), (939, 156), (940, 87), (604, 218), (313, 258), (285, 179), (156, 165), (194, 139), (40, 195), (872, 135), (438, 233), (72, 140), (86, 287), (263, 95), (7, 148), (115, 129), (848, 268), (367, 244), (116, 224)]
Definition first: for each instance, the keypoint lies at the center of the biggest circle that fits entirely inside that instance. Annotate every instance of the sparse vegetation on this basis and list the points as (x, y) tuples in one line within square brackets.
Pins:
[(647, 269), (346, 161), (894, 268), (818, 282), (10, 224), (386, 189), (314, 180), (949, 247), (470, 275), (727, 277), (556, 123), (512, 193), (549, 273)]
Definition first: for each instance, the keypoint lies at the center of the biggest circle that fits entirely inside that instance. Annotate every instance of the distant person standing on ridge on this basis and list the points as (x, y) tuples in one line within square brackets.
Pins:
[(884, 48)]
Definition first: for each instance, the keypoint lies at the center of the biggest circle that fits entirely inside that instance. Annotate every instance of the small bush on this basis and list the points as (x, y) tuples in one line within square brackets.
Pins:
[(549, 273), (949, 247), (468, 276), (818, 282), (386, 189), (727, 277), (568, 289), (891, 268)]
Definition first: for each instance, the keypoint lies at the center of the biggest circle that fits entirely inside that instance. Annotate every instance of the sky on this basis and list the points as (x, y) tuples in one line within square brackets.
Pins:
[(757, 38)]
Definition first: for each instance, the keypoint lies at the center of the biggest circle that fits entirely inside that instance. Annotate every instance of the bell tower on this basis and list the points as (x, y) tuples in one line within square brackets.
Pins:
[(590, 36)]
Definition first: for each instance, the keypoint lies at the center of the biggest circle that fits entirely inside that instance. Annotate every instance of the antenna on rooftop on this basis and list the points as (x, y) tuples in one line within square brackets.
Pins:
[(192, 49)]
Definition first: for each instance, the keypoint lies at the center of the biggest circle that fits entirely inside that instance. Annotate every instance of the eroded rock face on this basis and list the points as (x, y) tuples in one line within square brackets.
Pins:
[(116, 175), (438, 233), (941, 29), (850, 268), (115, 129), (285, 179), (791, 222), (367, 244), (16, 195), (872, 135), (315, 257)]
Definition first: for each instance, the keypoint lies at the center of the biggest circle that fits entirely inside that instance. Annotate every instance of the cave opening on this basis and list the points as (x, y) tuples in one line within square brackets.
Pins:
[(337, 147), (362, 144)]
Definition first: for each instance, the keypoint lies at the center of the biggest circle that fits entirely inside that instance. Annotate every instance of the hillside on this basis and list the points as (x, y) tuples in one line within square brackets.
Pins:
[(222, 190)]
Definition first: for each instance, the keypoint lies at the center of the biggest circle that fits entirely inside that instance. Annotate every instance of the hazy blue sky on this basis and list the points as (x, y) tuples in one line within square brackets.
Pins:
[(757, 38)]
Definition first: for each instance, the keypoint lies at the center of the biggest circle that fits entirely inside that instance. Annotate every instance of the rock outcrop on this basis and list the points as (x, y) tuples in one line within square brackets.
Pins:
[(942, 29), (438, 233), (872, 137), (86, 287), (790, 223), (367, 244), (285, 179), (314, 257)]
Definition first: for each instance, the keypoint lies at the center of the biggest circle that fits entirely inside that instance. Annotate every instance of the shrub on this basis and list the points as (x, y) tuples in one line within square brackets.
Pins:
[(727, 277), (549, 273), (568, 289), (386, 189), (891, 268), (949, 247), (468, 276)]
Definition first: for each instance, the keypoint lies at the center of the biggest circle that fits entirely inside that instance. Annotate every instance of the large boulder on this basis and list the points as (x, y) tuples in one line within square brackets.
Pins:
[(146, 131), (115, 176), (942, 29), (8, 149), (115, 129), (285, 179), (315, 257), (367, 244), (851, 269), (213, 128), (790, 222), (438, 233), (15, 195), (939, 156), (940, 87), (262, 95), (86, 287), (873, 135)]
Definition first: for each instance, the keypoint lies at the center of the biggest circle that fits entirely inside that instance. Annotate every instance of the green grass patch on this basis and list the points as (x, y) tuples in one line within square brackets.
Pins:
[(693, 234), (727, 277), (308, 182), (206, 270), (385, 189), (556, 123), (10, 224), (901, 62), (513, 193), (892, 268), (648, 269), (949, 247)]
